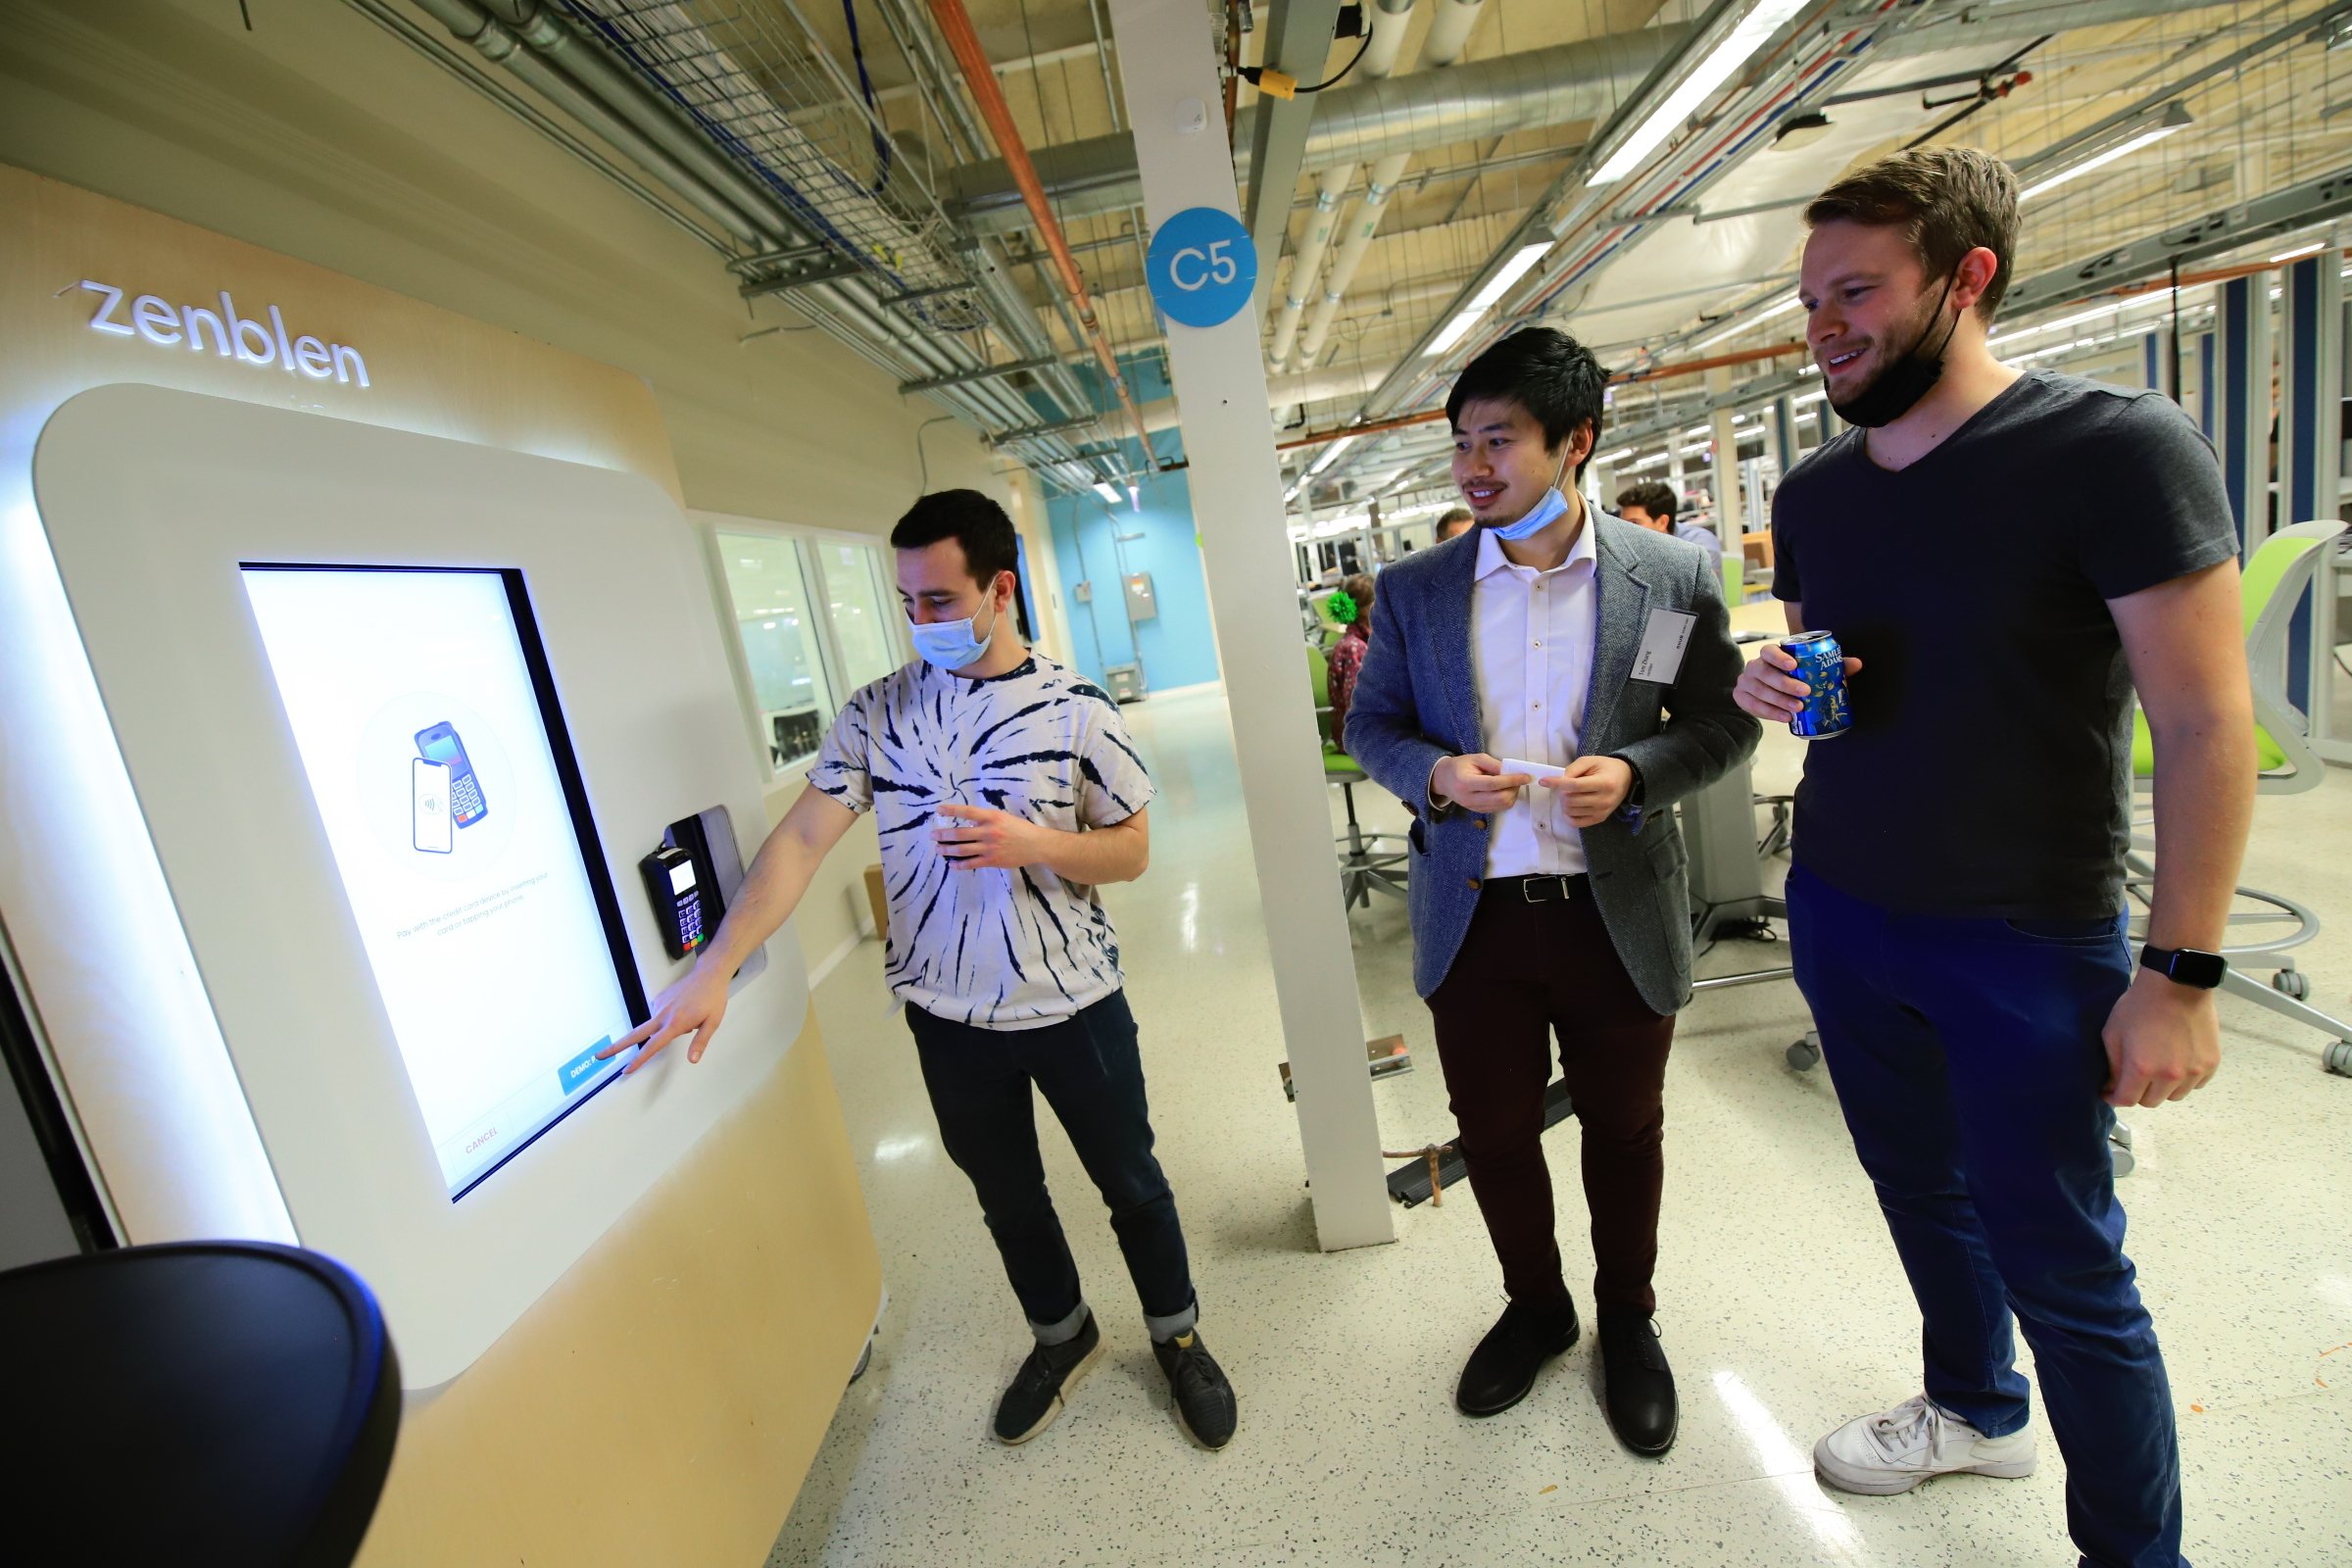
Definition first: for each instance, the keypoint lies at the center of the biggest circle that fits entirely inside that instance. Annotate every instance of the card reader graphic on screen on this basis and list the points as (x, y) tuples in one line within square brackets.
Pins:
[(428, 806), (440, 743)]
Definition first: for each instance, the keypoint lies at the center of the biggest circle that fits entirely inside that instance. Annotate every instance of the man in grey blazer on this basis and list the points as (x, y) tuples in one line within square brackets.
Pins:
[(1542, 689)]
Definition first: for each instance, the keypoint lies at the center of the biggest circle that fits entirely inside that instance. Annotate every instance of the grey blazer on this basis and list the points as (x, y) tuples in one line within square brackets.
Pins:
[(1417, 703)]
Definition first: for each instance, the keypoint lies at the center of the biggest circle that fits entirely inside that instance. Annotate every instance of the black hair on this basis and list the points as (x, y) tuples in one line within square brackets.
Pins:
[(1546, 371), (1654, 496), (973, 520)]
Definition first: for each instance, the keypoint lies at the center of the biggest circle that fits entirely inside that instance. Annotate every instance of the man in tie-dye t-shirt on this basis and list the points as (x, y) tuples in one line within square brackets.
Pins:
[(1005, 790)]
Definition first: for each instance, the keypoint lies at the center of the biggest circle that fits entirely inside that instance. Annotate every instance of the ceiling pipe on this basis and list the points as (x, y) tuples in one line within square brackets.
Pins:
[(548, 58), (1410, 114), (963, 41), (1448, 35), (1388, 23), (1656, 373)]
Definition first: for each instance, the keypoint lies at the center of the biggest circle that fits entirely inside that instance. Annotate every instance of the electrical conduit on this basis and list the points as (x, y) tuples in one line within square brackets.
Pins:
[(1448, 33), (1380, 59), (963, 41)]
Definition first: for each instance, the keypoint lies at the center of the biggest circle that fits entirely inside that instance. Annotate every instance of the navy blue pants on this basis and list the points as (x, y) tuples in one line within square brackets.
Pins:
[(1967, 1060), (1092, 1076)]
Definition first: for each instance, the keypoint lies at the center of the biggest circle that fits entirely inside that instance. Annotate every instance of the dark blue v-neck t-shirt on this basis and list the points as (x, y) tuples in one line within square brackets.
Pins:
[(1988, 770)]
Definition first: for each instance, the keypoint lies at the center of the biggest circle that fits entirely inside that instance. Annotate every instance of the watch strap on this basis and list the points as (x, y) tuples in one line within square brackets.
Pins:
[(2187, 966)]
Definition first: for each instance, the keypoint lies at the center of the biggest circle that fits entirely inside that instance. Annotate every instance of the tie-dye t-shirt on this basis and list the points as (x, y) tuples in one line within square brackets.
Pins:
[(1000, 950)]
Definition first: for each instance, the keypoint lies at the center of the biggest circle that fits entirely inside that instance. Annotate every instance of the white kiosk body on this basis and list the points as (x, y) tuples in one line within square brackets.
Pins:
[(403, 715)]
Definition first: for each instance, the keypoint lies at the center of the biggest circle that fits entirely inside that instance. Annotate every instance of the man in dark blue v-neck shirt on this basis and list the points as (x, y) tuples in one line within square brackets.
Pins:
[(1956, 903)]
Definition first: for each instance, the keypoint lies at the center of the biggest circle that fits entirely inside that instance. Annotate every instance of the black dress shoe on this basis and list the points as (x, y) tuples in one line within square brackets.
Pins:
[(1639, 1386), (1503, 1367)]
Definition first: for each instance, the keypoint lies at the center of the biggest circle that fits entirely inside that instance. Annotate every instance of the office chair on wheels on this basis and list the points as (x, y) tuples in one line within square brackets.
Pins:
[(1369, 862), (2275, 583)]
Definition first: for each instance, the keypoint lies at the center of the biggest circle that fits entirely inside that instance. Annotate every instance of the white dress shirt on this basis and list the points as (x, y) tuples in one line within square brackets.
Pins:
[(1531, 647)]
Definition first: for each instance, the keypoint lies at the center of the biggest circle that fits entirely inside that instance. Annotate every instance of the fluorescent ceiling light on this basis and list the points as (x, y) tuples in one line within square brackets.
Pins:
[(1737, 45), (2300, 250), (1616, 457), (2175, 118), (1737, 327), (1521, 263), (1455, 330), (1107, 491), (1331, 455)]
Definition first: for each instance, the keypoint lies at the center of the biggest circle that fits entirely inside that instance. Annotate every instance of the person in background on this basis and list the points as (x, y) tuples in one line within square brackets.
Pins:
[(1452, 522), (1651, 504), (1956, 908), (1347, 657), (1006, 791), (1560, 908)]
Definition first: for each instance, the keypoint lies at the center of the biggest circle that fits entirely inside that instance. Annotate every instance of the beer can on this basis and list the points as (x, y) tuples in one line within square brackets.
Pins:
[(1821, 665)]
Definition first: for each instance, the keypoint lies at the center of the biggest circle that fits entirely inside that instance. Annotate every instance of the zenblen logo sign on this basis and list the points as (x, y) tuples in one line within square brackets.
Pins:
[(251, 339)]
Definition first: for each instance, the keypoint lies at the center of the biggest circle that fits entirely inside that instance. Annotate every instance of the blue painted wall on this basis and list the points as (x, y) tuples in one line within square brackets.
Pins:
[(1178, 647)]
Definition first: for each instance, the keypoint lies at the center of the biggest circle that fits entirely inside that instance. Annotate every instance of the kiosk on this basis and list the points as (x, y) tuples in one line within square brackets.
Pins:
[(363, 662)]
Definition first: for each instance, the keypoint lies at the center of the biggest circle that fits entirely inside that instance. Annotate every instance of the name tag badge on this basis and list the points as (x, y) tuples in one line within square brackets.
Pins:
[(1664, 641)]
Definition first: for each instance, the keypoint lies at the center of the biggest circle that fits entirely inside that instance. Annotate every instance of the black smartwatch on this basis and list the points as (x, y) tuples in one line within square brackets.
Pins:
[(2186, 967)]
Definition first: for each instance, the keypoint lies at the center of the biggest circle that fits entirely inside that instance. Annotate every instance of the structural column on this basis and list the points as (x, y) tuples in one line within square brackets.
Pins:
[(2311, 376), (1785, 448), (2242, 426), (1167, 63), (1730, 499)]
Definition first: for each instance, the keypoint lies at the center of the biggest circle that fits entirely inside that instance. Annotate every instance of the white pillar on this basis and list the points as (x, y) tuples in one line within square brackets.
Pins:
[(1167, 65), (1728, 490)]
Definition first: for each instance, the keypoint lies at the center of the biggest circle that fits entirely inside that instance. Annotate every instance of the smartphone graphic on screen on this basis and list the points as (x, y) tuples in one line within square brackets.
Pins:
[(440, 743), (428, 790)]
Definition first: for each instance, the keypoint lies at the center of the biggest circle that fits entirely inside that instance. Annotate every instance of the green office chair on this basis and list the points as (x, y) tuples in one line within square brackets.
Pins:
[(2275, 580), (1368, 862)]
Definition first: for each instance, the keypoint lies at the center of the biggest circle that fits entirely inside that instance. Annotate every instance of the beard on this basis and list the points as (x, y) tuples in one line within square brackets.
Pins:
[(1899, 384)]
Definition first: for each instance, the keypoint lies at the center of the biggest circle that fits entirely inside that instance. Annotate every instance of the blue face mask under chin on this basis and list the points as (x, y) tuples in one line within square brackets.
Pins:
[(1540, 516), (951, 645)]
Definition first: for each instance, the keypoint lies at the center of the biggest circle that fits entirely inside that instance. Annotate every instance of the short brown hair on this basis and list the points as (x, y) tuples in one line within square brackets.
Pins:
[(1947, 200), (1453, 515), (1652, 496)]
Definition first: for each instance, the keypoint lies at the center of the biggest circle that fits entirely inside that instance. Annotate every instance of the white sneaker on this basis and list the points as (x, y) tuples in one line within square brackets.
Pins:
[(1895, 1450)]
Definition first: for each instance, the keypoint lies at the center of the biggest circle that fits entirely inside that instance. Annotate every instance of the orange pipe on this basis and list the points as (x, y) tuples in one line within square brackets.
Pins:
[(956, 23)]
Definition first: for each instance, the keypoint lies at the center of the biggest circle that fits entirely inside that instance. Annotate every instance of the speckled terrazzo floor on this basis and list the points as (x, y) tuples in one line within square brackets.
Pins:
[(1780, 1301)]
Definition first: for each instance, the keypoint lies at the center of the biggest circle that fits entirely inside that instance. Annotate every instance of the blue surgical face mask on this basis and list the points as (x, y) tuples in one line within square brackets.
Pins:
[(1540, 516), (951, 645)]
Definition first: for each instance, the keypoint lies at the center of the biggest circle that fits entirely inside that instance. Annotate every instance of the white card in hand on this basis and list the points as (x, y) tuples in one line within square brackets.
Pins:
[(1663, 643), (1538, 771)]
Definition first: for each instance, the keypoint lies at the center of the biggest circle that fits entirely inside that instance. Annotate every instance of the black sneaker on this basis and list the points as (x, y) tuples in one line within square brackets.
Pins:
[(1045, 1383), (1205, 1403)]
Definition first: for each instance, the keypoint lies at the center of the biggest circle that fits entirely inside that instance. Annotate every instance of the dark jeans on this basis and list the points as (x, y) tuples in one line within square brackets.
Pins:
[(1090, 1073), (1968, 1059), (1525, 972)]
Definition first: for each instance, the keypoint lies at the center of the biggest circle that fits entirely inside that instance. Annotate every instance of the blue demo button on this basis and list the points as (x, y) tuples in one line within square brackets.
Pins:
[(575, 1074)]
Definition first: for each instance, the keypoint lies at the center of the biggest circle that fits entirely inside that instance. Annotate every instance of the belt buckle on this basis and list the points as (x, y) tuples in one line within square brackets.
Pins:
[(1558, 884)]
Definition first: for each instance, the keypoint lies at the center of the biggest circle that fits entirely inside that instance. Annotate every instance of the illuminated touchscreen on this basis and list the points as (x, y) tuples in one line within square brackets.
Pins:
[(429, 733)]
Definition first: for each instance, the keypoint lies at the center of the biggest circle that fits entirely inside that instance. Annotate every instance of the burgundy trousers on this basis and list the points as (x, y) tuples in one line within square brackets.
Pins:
[(1529, 971)]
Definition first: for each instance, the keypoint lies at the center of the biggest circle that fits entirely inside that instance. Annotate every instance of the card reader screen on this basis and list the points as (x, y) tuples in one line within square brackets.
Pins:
[(476, 881)]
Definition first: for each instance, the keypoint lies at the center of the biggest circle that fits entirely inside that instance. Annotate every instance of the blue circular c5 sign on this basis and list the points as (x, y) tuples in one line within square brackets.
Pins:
[(1202, 266)]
